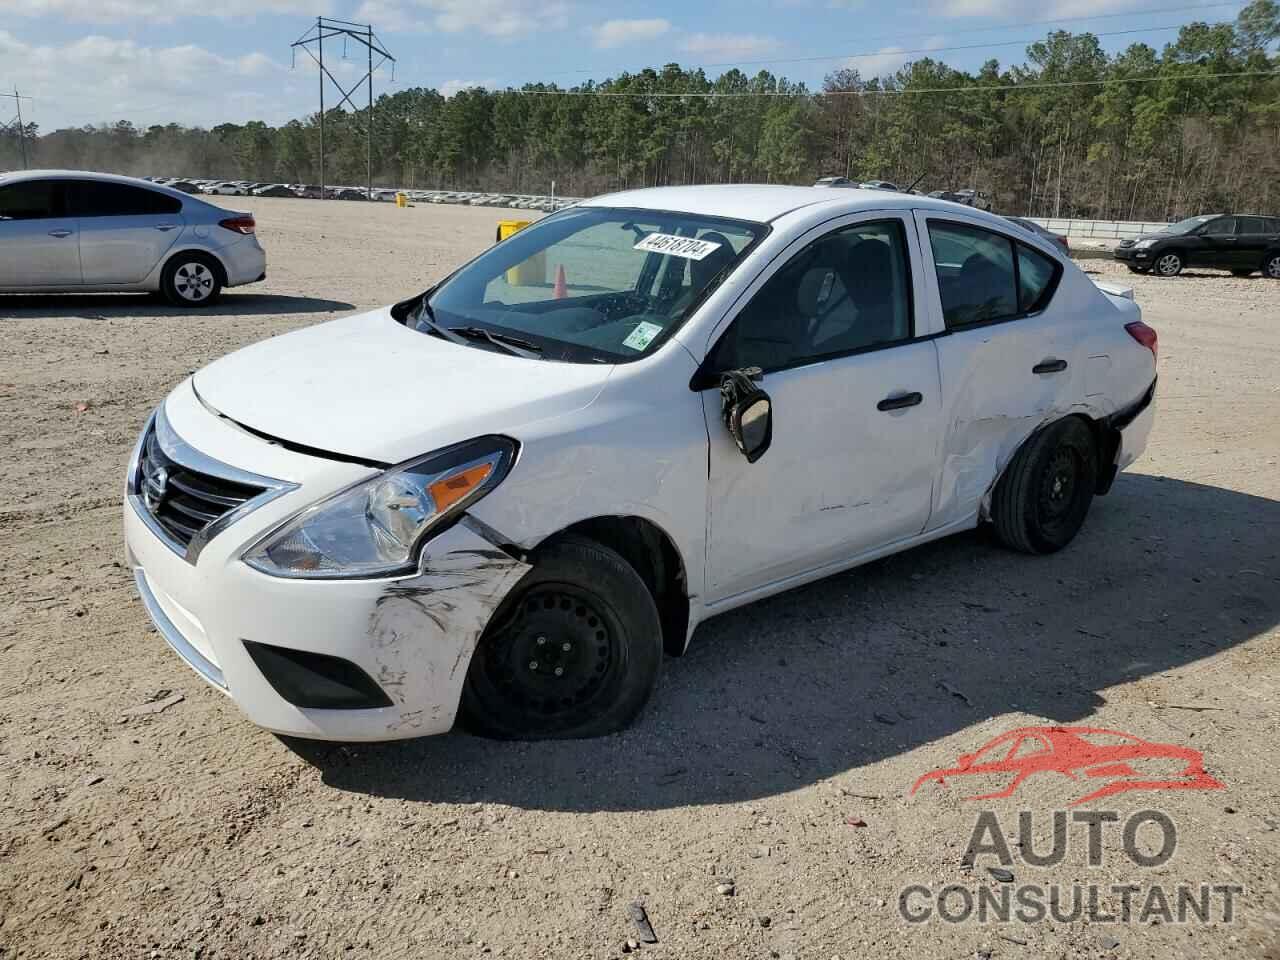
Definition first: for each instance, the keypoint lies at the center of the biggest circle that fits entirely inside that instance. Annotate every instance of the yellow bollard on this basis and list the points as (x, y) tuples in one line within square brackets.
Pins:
[(402, 199), (534, 270)]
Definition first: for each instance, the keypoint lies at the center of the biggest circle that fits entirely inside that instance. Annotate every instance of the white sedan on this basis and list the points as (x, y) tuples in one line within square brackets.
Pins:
[(505, 498)]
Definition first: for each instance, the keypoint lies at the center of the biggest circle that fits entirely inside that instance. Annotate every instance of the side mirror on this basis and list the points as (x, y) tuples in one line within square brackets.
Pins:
[(747, 412)]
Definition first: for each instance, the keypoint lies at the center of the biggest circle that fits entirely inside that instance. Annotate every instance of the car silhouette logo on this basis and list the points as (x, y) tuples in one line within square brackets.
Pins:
[(1085, 754)]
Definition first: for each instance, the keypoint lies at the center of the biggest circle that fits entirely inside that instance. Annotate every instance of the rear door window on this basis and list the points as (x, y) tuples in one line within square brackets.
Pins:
[(95, 198), (32, 200), (1035, 278), (976, 274), (1250, 225)]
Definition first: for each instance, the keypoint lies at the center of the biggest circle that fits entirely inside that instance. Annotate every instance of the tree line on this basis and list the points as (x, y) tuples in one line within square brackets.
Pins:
[(1072, 131)]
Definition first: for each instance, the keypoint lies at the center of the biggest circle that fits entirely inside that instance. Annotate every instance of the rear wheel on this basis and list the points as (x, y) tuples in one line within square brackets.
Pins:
[(573, 652), (1271, 266), (1044, 495), (1168, 265), (191, 280)]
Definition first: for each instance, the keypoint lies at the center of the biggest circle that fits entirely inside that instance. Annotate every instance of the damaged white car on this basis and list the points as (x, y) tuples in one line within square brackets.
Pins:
[(505, 499)]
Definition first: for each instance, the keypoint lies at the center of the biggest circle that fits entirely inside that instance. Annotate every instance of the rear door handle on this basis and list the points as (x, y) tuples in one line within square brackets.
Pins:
[(166, 226), (900, 401), (59, 233), (1049, 366)]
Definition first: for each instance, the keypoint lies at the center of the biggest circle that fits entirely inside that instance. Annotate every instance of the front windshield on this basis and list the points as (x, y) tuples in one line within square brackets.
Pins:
[(1187, 225), (592, 284)]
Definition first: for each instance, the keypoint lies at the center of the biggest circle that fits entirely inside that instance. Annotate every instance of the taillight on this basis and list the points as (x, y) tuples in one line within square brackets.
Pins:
[(245, 225), (1145, 336)]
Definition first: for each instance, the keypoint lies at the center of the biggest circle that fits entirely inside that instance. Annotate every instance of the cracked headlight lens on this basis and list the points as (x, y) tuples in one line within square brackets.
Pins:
[(377, 527)]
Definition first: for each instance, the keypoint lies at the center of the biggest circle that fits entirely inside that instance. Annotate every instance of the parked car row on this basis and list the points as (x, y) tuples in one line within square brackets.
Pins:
[(246, 188)]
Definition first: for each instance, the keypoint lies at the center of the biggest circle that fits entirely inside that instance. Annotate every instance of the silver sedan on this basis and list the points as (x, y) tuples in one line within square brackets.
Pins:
[(66, 231)]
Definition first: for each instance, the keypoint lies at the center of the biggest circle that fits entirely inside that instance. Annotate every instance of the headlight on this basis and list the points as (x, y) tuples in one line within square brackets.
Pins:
[(377, 528), (1144, 244)]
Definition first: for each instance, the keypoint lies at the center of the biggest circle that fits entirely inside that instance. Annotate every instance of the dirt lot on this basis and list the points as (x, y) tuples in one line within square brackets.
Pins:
[(189, 833)]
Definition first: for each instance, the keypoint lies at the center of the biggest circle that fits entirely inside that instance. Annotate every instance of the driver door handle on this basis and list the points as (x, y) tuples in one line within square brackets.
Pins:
[(1049, 366), (163, 227), (900, 401), (59, 233)]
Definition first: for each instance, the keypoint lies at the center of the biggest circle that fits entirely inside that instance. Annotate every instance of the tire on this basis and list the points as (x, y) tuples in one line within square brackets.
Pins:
[(1167, 265), (1242, 273), (585, 612), (192, 280), (1044, 495), (1271, 266)]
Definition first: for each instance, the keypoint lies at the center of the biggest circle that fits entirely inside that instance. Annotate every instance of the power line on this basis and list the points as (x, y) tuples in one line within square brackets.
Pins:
[(991, 88), (22, 130)]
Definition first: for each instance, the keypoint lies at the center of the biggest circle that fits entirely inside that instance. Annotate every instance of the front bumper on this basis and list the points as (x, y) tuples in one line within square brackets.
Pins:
[(1135, 256), (413, 636)]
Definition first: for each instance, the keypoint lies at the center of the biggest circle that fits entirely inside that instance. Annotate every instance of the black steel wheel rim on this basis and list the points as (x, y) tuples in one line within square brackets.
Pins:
[(1059, 487), (558, 652)]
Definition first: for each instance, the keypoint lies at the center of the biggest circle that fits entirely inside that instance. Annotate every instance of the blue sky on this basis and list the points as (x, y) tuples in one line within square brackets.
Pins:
[(208, 61)]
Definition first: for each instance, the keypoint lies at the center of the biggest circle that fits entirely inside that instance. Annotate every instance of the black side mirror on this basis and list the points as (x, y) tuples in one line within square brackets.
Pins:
[(747, 412)]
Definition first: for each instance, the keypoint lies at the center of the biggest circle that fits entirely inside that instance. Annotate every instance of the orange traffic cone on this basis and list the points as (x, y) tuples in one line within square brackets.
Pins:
[(562, 290)]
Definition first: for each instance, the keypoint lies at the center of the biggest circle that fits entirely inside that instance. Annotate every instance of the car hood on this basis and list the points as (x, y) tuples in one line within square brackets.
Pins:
[(367, 386)]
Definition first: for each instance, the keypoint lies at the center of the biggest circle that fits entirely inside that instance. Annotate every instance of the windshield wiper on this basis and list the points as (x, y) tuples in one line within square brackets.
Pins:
[(513, 345), (427, 318)]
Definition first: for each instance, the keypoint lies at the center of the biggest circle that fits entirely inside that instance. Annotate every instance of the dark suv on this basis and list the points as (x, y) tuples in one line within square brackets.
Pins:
[(1241, 244)]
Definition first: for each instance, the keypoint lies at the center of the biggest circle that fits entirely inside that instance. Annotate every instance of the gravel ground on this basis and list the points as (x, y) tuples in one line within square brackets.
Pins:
[(761, 808)]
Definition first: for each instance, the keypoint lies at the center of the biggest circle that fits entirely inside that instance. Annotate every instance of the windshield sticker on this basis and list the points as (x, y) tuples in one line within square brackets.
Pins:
[(687, 247), (643, 334)]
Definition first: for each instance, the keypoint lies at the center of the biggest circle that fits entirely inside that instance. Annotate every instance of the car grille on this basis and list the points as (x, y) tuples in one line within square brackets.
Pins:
[(184, 501)]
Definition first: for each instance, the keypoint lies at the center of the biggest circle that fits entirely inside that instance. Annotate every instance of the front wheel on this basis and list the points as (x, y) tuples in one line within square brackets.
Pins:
[(573, 652), (1041, 500), (1271, 268), (1168, 265), (191, 280)]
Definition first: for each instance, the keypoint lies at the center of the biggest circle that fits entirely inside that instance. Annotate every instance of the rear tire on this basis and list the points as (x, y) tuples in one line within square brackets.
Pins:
[(1271, 266), (192, 280), (1044, 495), (1168, 265), (574, 651)]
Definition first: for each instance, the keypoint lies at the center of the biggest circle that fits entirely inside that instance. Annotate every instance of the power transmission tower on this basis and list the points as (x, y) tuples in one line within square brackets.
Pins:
[(22, 131), (325, 28)]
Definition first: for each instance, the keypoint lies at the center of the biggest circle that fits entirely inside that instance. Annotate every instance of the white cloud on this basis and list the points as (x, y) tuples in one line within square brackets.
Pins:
[(166, 11), (495, 18), (617, 33), (728, 46), (98, 79), (451, 87), (889, 60)]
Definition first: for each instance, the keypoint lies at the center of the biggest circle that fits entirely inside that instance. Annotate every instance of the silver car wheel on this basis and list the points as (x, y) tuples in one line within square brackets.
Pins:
[(1168, 265), (193, 281), (1273, 268)]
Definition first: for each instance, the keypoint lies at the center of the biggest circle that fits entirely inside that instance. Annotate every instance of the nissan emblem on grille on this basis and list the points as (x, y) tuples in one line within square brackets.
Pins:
[(154, 487)]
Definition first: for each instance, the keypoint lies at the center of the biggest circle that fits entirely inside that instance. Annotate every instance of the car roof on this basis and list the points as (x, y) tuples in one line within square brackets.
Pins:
[(21, 175), (762, 203)]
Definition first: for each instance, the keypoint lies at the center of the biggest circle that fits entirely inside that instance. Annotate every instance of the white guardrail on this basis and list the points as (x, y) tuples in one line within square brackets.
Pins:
[(1098, 229)]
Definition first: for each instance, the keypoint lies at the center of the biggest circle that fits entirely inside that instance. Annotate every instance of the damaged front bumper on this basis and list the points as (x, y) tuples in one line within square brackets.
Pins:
[(374, 659)]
